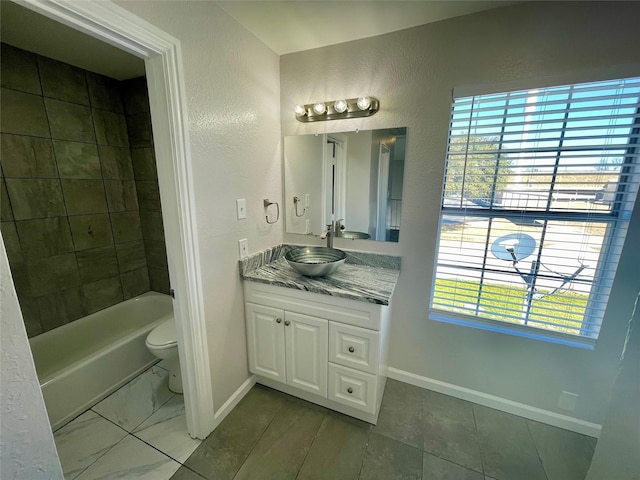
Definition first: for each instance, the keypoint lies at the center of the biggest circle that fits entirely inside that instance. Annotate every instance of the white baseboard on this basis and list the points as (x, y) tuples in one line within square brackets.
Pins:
[(233, 400), (509, 406)]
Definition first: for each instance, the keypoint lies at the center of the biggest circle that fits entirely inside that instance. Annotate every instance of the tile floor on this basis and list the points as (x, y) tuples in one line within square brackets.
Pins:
[(270, 435), (138, 432)]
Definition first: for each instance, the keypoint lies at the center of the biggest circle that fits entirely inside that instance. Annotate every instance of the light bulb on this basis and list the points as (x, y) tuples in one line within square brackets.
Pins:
[(319, 108), (300, 110), (340, 106), (364, 103)]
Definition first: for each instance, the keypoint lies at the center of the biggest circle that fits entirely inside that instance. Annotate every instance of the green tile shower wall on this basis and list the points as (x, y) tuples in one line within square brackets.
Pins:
[(79, 200), (138, 117)]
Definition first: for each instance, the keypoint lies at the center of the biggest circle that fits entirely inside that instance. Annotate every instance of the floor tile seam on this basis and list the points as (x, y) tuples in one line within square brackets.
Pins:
[(106, 451), (433, 454), (191, 470), (535, 445), (253, 447), (364, 453), (154, 411), (475, 426), (157, 449), (313, 441)]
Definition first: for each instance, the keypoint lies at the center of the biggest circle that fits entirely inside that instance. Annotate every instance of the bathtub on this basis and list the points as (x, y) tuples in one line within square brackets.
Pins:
[(82, 362)]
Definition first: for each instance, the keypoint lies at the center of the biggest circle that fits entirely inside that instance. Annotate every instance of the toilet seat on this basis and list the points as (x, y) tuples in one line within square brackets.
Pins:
[(163, 336)]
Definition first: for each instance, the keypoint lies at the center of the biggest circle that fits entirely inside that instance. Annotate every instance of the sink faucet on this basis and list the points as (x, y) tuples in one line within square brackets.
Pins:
[(328, 234)]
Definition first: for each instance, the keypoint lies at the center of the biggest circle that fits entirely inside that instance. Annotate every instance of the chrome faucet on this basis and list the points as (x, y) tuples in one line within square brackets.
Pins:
[(328, 234)]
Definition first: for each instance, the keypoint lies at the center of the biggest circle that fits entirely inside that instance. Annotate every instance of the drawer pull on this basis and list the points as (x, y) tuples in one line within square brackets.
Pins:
[(351, 349), (278, 320), (287, 323), (350, 390)]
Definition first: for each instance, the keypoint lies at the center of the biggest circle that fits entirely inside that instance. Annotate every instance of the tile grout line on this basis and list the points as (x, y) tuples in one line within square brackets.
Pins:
[(108, 449), (256, 442), (475, 426), (315, 436), (364, 454), (535, 445)]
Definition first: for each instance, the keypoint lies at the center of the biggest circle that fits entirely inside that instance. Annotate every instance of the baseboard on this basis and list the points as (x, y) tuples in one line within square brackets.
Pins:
[(509, 406), (233, 400)]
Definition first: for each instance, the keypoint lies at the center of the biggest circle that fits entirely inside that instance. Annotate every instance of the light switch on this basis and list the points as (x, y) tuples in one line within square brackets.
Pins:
[(307, 226), (241, 207), (243, 247), (307, 200)]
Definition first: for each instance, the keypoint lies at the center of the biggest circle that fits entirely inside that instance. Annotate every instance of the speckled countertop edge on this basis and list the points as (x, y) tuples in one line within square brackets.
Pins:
[(365, 277)]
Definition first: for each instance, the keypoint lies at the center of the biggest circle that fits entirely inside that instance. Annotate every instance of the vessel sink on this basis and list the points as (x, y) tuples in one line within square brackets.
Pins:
[(315, 261), (354, 235)]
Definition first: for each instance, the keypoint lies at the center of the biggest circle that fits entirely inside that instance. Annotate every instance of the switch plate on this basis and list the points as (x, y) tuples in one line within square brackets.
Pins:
[(243, 248), (241, 207), (307, 226), (307, 200)]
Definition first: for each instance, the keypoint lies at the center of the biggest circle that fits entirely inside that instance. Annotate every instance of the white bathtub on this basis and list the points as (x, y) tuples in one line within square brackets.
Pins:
[(82, 362)]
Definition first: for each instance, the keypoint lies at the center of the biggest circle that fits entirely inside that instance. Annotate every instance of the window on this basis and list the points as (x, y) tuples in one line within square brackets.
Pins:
[(538, 190)]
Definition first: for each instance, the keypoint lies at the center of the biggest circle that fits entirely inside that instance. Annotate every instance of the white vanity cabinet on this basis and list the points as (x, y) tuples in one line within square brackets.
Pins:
[(288, 347), (328, 350)]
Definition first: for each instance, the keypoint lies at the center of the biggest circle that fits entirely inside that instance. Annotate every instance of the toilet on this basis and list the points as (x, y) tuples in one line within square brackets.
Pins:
[(162, 342)]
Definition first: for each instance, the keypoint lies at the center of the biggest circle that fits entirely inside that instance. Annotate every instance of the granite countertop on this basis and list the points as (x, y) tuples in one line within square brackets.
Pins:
[(364, 277)]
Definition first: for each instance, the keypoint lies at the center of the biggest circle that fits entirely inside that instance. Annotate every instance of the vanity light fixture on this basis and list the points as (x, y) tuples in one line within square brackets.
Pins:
[(340, 106), (338, 109), (319, 108), (363, 103)]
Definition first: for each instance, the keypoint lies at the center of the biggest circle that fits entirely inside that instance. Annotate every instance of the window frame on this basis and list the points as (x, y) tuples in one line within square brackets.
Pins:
[(616, 220)]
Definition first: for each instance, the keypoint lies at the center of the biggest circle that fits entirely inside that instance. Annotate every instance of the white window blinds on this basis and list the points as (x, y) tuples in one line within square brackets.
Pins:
[(538, 189)]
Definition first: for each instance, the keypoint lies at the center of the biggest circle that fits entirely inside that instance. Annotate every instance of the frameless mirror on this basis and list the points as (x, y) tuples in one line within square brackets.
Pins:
[(351, 177)]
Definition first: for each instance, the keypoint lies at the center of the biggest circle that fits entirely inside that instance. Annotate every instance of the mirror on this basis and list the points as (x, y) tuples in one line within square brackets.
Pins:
[(351, 177)]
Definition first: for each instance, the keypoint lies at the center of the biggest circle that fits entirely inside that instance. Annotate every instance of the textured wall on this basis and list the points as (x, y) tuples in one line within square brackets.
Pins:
[(413, 72), (27, 451), (69, 205), (233, 94)]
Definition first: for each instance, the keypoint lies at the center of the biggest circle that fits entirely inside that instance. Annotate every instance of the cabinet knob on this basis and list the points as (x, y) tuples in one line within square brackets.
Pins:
[(350, 390), (278, 320), (351, 349), (287, 323)]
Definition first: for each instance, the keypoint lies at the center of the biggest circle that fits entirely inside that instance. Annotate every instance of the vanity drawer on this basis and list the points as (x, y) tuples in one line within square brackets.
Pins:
[(352, 388), (354, 347)]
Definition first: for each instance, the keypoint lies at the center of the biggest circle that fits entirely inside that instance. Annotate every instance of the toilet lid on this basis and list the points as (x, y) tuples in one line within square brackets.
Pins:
[(163, 335)]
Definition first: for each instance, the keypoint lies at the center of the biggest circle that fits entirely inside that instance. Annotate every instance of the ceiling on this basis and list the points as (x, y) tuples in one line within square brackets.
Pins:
[(33, 32), (293, 26), (284, 26)]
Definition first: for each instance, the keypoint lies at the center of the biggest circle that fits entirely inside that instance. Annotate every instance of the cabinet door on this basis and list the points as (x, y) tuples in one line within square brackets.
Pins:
[(307, 344), (265, 341)]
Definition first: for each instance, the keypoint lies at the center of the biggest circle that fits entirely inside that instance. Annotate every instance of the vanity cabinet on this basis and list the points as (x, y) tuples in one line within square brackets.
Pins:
[(288, 347), (328, 350)]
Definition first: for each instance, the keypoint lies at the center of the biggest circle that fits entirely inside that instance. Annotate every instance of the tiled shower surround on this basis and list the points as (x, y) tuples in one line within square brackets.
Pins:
[(80, 205)]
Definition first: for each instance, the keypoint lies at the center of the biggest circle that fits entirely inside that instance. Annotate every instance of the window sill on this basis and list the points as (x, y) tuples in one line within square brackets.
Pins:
[(514, 329)]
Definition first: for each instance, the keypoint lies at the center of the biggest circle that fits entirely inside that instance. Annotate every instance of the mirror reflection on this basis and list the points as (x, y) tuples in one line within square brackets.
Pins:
[(351, 178)]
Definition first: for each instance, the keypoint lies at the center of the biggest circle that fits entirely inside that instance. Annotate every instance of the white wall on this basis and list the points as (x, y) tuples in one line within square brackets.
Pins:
[(412, 73), (27, 451), (617, 454), (232, 87)]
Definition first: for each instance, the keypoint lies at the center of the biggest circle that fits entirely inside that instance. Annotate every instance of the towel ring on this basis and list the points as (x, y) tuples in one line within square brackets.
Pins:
[(296, 201), (266, 204)]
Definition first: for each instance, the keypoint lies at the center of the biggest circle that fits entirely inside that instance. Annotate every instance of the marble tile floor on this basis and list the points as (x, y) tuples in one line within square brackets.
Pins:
[(138, 432), (420, 435)]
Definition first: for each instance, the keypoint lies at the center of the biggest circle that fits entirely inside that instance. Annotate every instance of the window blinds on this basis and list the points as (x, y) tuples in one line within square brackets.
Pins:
[(538, 188)]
